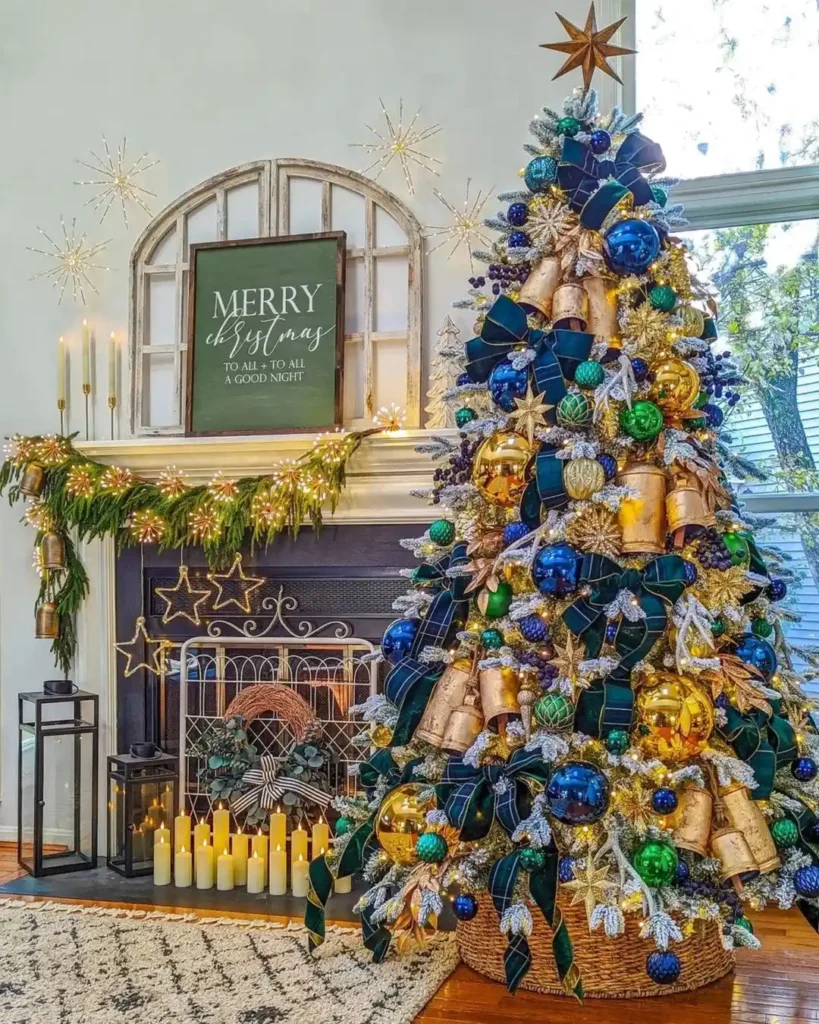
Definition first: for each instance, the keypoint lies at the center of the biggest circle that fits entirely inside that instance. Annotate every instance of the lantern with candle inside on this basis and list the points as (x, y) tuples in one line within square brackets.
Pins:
[(141, 804)]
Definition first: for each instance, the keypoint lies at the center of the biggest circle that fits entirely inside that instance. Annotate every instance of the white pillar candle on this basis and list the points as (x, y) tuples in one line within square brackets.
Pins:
[(344, 884), (183, 869), (255, 874), (278, 829), (224, 872), (162, 863), (162, 835), (278, 871), (182, 831), (300, 883), (204, 866), (60, 370), (112, 366), (298, 845), (86, 355), (320, 839), (238, 847), (221, 829), (259, 847)]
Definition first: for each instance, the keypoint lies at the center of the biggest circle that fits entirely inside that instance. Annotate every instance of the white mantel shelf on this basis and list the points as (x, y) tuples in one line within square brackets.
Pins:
[(380, 475)]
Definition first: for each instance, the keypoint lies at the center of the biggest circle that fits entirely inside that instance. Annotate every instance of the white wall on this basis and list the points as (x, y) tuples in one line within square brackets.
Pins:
[(203, 86)]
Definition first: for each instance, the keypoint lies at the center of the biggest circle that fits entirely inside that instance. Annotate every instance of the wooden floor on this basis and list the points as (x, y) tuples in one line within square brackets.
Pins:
[(777, 985)]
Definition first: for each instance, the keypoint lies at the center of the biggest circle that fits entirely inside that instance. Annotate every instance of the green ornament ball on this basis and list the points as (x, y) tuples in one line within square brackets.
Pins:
[(743, 922), (717, 627), (531, 859), (492, 638), (465, 415), (617, 741), (342, 826), (701, 400), (574, 411), (431, 847), (498, 601), (554, 711), (761, 628), (700, 423), (663, 297), (737, 543), (568, 126), (643, 421), (589, 374), (659, 195), (442, 532), (655, 862), (784, 833)]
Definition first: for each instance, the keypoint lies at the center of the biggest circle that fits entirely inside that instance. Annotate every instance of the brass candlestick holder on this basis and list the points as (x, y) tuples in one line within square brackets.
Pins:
[(86, 390), (61, 408), (112, 404)]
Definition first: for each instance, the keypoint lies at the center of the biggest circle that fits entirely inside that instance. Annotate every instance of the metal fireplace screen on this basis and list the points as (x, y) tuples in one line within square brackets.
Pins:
[(329, 674)]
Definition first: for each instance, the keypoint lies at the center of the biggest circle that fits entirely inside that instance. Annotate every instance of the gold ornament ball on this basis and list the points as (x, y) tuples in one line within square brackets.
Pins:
[(500, 468), (676, 386), (693, 321), (401, 819), (380, 734), (582, 478), (517, 573), (675, 718)]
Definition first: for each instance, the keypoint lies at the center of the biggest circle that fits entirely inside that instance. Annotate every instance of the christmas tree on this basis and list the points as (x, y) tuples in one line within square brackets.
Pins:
[(446, 365), (591, 703)]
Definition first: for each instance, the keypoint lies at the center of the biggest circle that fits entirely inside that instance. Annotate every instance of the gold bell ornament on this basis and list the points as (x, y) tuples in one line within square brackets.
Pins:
[(745, 814), (602, 318), (691, 821), (448, 694), (676, 717), (685, 505), (400, 820), (540, 285), (570, 307), (52, 549), (675, 388), (642, 518), (463, 728), (499, 695), (31, 482), (47, 622), (582, 478), (501, 468), (737, 863)]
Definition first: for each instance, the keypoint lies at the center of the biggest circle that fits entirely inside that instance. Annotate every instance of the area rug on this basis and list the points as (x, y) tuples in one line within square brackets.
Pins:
[(65, 964)]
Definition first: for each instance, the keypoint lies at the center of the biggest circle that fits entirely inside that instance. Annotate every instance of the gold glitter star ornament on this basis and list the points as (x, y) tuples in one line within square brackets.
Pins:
[(590, 888), (588, 48), (530, 414)]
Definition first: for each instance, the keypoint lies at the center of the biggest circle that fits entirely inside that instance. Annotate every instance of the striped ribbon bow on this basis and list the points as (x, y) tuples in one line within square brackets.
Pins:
[(267, 788)]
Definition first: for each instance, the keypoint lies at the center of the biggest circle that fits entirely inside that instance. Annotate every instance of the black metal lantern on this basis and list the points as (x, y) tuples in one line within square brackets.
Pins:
[(57, 779), (141, 800)]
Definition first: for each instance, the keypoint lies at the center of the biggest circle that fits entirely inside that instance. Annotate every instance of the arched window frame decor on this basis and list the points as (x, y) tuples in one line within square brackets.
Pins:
[(274, 180)]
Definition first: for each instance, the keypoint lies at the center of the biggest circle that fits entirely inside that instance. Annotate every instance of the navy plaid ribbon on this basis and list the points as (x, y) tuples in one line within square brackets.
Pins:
[(765, 742)]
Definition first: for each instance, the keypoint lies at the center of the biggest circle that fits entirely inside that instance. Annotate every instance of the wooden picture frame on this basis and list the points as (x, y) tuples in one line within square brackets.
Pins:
[(193, 417)]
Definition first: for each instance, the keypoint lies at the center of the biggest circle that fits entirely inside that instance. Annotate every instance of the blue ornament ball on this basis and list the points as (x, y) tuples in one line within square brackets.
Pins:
[(721, 701), (631, 246), (690, 573), (683, 871), (519, 240), (806, 881), (533, 629), (565, 869), (462, 379), (609, 464), (577, 793), (540, 173), (713, 414), (640, 369), (611, 631), (664, 800), (804, 769), (777, 589), (398, 639), (465, 906), (812, 831), (517, 214), (556, 569), (513, 532), (663, 967), (599, 141), (506, 384), (757, 652)]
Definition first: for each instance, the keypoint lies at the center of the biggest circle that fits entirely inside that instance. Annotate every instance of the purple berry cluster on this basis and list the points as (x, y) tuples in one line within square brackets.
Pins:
[(505, 275), (458, 471), (477, 282), (546, 673), (712, 552), (720, 377)]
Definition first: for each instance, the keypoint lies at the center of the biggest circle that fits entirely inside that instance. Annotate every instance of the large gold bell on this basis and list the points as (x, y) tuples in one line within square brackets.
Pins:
[(691, 822), (499, 693), (52, 548), (47, 622), (729, 847), (642, 518), (463, 728), (745, 814), (540, 285), (31, 482), (448, 694)]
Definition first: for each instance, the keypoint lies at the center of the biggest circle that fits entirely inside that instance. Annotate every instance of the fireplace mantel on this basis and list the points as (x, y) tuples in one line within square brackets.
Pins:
[(380, 476)]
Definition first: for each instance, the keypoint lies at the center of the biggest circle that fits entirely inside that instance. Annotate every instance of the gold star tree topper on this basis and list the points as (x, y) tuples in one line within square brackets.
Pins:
[(588, 49)]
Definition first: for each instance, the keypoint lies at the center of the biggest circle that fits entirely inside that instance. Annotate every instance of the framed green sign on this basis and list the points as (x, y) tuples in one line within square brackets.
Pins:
[(266, 335)]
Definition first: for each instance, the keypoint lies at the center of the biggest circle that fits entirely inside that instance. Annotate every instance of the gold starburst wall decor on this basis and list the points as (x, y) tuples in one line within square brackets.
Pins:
[(466, 225), (74, 260), (116, 181), (402, 142)]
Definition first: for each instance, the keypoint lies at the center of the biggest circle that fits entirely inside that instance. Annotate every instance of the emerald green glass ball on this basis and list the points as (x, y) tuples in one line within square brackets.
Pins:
[(701, 400), (574, 411), (532, 860), (663, 297), (743, 922), (784, 833), (762, 628), (659, 194), (442, 532), (554, 711), (431, 847), (700, 423), (643, 421), (342, 826), (589, 374), (655, 862), (717, 627), (492, 638), (465, 415), (618, 741), (498, 601), (737, 543), (568, 126)]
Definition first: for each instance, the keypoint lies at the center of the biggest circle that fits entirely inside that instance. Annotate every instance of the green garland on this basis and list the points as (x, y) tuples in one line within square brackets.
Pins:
[(94, 500)]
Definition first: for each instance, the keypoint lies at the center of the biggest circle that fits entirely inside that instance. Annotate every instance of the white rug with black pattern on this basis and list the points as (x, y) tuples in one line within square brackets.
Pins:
[(62, 964)]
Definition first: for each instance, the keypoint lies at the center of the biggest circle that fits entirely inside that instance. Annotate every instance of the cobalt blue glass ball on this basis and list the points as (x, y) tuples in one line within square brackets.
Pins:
[(519, 240), (506, 384), (631, 246), (757, 652), (398, 639), (555, 570), (777, 589), (663, 967), (804, 769), (682, 871), (721, 701), (806, 881), (599, 141), (513, 532), (690, 573), (640, 369), (611, 631), (517, 214), (540, 173), (609, 464), (463, 378), (465, 906), (713, 414), (664, 800), (565, 869), (533, 629), (577, 793)]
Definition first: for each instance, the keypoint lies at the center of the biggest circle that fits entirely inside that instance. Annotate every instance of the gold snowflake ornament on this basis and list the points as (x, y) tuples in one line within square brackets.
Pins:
[(590, 888), (717, 588), (647, 326), (117, 181), (596, 529), (466, 225), (530, 413), (74, 260), (400, 142)]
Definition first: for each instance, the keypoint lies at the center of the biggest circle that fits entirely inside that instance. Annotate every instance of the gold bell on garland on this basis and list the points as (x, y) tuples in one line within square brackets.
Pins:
[(642, 518), (500, 469), (463, 728), (400, 820), (499, 695), (52, 549), (745, 814), (729, 847), (691, 821), (47, 622), (448, 694), (539, 287), (570, 307), (31, 482), (685, 505)]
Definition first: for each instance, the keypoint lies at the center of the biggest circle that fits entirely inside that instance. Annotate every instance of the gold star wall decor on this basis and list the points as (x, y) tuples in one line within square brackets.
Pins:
[(466, 225), (130, 649), (117, 181), (588, 48), (233, 587), (590, 888), (530, 413), (74, 260), (401, 142), (186, 590)]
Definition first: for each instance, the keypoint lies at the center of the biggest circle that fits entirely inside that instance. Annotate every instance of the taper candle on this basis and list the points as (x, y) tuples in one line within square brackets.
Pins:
[(221, 829), (204, 866), (224, 872), (278, 871), (86, 355), (183, 868), (300, 883), (320, 839), (61, 383), (162, 862), (258, 844), (238, 846), (182, 831), (278, 829), (255, 874), (298, 845)]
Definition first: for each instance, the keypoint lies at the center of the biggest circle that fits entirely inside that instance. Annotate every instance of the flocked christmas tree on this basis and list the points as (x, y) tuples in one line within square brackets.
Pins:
[(593, 709), (446, 361)]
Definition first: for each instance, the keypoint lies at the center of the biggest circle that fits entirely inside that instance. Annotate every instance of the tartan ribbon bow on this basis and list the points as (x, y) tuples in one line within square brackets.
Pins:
[(493, 791), (608, 704), (580, 173), (765, 742), (268, 787)]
